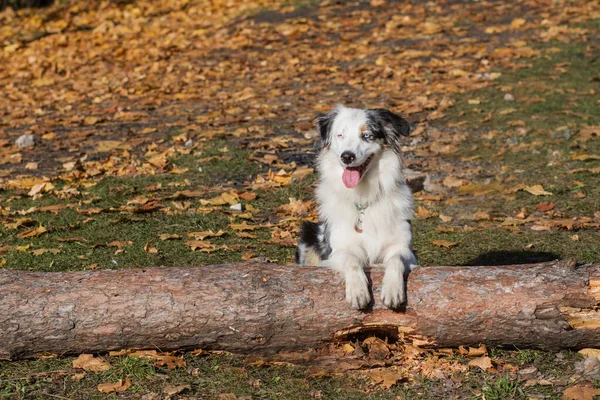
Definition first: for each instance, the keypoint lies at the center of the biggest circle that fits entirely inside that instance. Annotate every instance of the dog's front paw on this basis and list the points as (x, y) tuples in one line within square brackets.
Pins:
[(392, 290), (357, 290)]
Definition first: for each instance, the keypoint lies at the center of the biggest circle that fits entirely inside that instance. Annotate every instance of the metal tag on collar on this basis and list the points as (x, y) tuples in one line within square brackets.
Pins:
[(358, 225)]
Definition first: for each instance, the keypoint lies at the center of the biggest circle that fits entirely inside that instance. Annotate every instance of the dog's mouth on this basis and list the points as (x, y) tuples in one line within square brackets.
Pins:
[(352, 175)]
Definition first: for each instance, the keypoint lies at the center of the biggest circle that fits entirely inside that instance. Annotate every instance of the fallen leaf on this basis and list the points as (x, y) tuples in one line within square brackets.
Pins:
[(386, 378), (302, 172), (484, 363), (248, 196), (90, 363), (537, 190), (580, 392), (453, 182), (203, 246), (169, 236), (20, 222), (205, 234), (242, 227), (119, 243), (161, 359), (170, 390), (115, 387), (588, 133), (544, 206), (588, 352), (477, 351), (78, 377), (32, 232), (423, 213), (445, 243), (39, 252), (445, 218)]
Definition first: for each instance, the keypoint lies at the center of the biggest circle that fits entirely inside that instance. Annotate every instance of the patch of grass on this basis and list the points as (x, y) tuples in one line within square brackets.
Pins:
[(496, 246), (502, 388)]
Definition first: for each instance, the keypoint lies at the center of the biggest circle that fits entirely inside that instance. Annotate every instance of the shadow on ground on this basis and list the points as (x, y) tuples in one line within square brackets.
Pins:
[(511, 257)]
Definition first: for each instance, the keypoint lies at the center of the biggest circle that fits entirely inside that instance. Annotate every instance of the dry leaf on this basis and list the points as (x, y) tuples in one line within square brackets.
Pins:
[(452, 182), (544, 206), (169, 236), (537, 190), (39, 252), (477, 351), (90, 363), (445, 218), (580, 392), (386, 378), (203, 246), (423, 213), (114, 387), (205, 234), (170, 390), (484, 363), (78, 377), (588, 352), (445, 243), (242, 227), (32, 232), (165, 359)]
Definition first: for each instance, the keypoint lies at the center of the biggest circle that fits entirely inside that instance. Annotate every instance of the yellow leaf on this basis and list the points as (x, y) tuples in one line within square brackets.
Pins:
[(242, 227), (109, 145), (302, 172), (204, 234), (32, 232), (537, 190), (588, 352), (2, 262), (445, 243), (451, 181), (423, 213), (517, 23), (20, 222), (90, 363), (203, 246), (169, 236), (445, 218), (115, 387), (39, 252)]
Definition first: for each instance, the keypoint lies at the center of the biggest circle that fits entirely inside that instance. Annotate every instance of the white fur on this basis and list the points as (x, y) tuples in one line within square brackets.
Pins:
[(386, 236)]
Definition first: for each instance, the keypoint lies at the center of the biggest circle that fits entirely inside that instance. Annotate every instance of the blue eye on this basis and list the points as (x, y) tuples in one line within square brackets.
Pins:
[(368, 137)]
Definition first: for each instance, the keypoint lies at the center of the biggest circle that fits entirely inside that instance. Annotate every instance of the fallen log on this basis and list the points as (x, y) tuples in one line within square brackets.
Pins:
[(264, 308)]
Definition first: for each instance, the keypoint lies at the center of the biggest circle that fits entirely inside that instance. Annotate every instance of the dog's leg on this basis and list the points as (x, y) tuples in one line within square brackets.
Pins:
[(357, 284), (397, 265)]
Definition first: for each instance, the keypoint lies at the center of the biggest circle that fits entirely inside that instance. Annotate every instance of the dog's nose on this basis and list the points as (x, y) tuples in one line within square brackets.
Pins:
[(347, 157)]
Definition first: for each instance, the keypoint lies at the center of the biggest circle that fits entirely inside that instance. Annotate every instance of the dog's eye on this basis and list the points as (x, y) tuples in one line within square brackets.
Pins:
[(340, 136), (368, 136)]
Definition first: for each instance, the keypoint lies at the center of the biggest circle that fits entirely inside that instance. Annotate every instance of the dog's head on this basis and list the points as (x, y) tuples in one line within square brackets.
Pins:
[(357, 137)]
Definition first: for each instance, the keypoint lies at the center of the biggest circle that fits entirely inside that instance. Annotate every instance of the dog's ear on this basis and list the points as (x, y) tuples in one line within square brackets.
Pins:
[(388, 126), (324, 122)]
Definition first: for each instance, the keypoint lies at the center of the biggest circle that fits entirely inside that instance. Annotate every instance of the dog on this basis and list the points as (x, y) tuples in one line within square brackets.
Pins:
[(364, 204)]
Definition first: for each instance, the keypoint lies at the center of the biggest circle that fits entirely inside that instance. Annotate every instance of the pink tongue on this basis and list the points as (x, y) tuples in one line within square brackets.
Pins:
[(350, 178)]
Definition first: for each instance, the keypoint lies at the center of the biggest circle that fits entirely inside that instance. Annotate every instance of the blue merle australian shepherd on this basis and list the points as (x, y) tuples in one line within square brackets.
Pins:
[(364, 203)]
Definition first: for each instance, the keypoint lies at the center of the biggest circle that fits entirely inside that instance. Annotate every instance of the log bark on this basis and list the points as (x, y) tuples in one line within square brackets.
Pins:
[(264, 308)]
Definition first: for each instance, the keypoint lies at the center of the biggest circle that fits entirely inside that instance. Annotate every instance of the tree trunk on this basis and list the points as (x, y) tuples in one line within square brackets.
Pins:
[(264, 308)]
